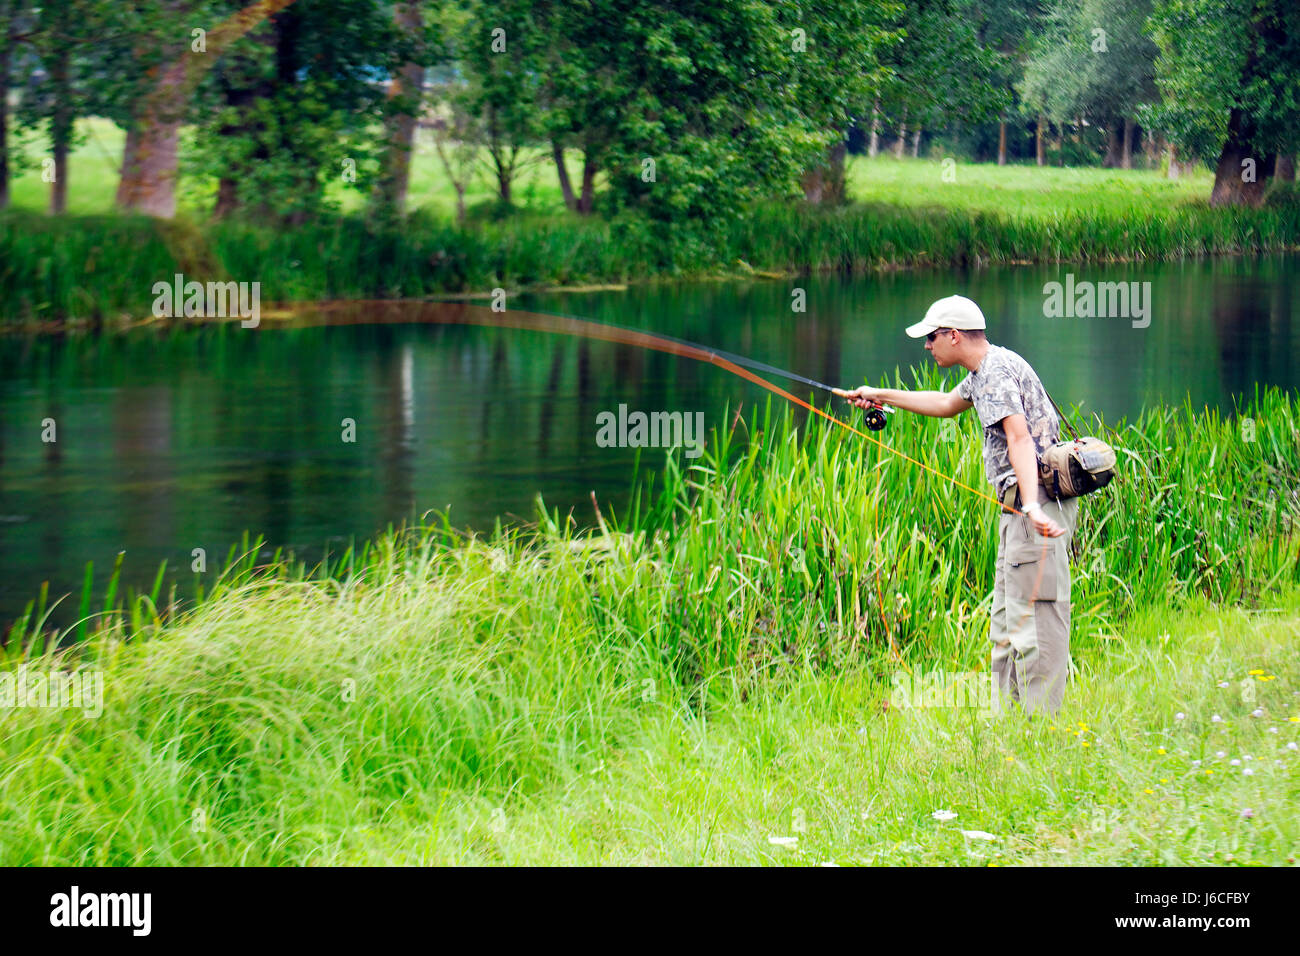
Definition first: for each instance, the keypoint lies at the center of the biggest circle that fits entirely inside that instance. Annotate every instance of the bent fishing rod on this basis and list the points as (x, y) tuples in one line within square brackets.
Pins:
[(875, 415), (377, 312)]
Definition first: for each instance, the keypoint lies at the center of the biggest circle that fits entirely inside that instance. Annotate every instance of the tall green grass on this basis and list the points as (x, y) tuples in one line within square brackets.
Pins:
[(105, 267), (375, 707)]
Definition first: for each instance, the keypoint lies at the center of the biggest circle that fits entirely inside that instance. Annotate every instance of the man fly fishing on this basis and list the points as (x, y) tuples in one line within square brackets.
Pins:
[(1030, 628)]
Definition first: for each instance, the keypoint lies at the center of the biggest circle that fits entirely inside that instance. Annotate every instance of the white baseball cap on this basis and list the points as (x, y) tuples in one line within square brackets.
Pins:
[(954, 312)]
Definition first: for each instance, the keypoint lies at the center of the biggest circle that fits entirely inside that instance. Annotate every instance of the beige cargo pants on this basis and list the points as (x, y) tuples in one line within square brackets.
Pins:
[(1030, 628)]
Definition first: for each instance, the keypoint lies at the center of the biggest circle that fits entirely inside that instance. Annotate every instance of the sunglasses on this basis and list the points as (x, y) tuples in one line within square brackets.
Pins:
[(935, 334)]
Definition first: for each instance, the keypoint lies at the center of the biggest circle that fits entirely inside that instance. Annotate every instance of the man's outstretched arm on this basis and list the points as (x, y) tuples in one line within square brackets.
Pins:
[(936, 404)]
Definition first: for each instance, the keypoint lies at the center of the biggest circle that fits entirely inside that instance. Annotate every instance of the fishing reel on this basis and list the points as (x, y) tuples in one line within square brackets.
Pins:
[(875, 417)]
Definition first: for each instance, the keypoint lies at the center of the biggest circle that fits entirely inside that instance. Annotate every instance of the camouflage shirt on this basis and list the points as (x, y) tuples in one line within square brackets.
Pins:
[(1003, 385)]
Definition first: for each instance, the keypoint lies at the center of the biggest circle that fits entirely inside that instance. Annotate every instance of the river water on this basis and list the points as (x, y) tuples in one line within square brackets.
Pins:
[(166, 441)]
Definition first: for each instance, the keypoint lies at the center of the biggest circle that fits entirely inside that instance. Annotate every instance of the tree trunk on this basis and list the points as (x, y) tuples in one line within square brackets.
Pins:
[(227, 198), (400, 119), (1040, 144), (1230, 185), (588, 198), (1114, 145), (506, 175), (1002, 143), (562, 173), (1126, 157), (873, 148), (916, 143), (837, 180), (505, 158), (1173, 162), (61, 129), (147, 182), (237, 102), (149, 159), (825, 183), (902, 136), (1154, 146), (4, 124), (1284, 171)]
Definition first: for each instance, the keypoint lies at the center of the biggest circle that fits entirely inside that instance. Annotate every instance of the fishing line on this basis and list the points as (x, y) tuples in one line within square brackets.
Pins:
[(459, 313)]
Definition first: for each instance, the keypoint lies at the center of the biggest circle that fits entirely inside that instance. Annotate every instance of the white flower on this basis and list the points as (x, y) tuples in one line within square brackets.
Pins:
[(1291, 745), (977, 835), (943, 815), (1247, 757), (1216, 719), (1180, 716), (783, 841), (828, 864), (1272, 730), (1248, 771), (1220, 754), (1223, 683), (1234, 763), (1196, 763)]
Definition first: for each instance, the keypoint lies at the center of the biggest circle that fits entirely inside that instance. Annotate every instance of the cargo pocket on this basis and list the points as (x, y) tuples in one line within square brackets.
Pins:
[(1031, 566)]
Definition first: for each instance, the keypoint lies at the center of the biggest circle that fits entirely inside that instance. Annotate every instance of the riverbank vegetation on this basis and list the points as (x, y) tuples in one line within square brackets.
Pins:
[(711, 669), (73, 267)]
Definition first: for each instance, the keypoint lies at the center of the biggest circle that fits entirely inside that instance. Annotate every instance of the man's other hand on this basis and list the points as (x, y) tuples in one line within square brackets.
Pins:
[(1045, 525)]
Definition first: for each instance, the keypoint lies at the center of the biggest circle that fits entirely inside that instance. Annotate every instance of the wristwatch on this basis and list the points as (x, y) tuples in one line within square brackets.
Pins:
[(1033, 506)]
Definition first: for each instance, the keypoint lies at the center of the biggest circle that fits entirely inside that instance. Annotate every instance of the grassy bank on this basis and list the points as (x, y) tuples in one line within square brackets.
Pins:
[(105, 267), (675, 686)]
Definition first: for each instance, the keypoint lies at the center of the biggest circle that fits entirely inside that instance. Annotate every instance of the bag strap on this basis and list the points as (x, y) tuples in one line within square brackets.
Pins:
[(1064, 421)]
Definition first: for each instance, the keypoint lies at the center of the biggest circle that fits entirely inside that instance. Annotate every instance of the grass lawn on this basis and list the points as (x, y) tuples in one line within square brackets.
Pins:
[(1024, 190), (1116, 778), (1027, 190), (1156, 758), (94, 168)]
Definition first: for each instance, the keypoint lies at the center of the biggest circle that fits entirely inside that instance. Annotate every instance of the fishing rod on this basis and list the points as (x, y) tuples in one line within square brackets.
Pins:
[(461, 313), (875, 416), (392, 312)]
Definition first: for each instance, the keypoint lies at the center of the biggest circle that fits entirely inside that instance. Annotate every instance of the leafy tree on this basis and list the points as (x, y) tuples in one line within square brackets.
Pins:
[(1093, 59), (294, 102), (17, 21), (839, 68), (1228, 72), (690, 110), (144, 68), (401, 109), (941, 70), (501, 85), (62, 34)]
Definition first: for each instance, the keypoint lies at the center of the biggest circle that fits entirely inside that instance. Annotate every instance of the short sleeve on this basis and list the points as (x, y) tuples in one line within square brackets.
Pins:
[(963, 388), (1001, 396)]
